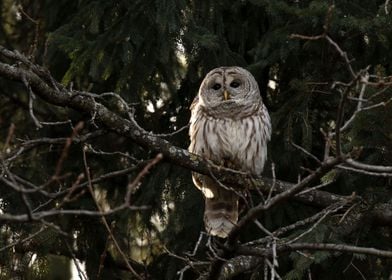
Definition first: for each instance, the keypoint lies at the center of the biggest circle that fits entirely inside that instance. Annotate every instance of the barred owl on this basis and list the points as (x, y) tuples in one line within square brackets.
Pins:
[(230, 126)]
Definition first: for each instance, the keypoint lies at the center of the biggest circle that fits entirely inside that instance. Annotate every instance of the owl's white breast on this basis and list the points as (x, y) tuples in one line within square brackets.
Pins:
[(242, 142)]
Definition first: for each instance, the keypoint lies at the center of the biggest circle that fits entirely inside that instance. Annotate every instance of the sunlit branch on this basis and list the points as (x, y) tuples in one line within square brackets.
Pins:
[(287, 247)]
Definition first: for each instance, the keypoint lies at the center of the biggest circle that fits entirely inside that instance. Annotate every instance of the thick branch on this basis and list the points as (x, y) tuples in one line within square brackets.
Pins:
[(287, 247), (248, 262)]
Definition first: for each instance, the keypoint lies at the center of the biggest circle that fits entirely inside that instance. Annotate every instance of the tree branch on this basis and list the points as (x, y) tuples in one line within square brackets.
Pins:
[(289, 247)]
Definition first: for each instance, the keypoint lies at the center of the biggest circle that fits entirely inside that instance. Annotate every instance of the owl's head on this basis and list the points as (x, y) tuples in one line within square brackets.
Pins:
[(229, 87)]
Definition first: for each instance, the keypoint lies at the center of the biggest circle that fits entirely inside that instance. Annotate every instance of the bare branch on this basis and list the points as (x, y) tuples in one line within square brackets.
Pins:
[(365, 172), (31, 100), (306, 152), (10, 134), (251, 257), (343, 54), (368, 167), (283, 230), (24, 240), (286, 247), (359, 105), (254, 212), (310, 229), (132, 186)]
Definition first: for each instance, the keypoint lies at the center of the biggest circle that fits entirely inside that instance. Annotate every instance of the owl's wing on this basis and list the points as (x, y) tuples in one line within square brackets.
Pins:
[(194, 102), (266, 121)]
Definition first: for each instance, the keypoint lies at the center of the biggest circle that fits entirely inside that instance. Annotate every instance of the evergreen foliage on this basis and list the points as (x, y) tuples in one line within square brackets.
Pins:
[(154, 54)]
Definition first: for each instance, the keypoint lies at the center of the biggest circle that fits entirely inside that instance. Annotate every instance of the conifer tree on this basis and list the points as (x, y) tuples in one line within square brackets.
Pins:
[(94, 107)]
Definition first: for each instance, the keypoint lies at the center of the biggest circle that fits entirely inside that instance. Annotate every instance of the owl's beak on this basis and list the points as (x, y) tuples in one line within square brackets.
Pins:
[(226, 95)]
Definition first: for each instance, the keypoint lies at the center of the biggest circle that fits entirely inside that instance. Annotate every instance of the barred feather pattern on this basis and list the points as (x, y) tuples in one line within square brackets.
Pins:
[(233, 133)]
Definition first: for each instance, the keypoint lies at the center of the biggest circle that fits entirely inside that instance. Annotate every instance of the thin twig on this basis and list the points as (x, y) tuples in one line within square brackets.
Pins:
[(164, 135), (64, 153), (309, 230), (197, 244), (272, 189), (24, 240), (368, 167), (316, 187), (283, 230), (132, 186), (274, 273), (31, 101), (81, 273), (10, 134), (252, 213), (365, 172), (306, 152)]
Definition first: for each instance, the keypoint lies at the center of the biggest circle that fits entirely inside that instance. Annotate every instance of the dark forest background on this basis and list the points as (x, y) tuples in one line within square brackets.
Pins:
[(322, 66)]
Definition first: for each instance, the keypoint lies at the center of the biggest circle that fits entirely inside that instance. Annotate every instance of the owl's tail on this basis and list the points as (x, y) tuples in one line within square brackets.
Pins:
[(221, 212)]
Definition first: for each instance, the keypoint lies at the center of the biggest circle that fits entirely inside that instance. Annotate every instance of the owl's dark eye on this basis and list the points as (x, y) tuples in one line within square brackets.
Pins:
[(235, 84), (216, 86)]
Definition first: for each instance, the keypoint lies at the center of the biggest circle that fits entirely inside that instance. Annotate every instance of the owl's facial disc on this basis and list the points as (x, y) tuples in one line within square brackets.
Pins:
[(225, 86), (229, 87)]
